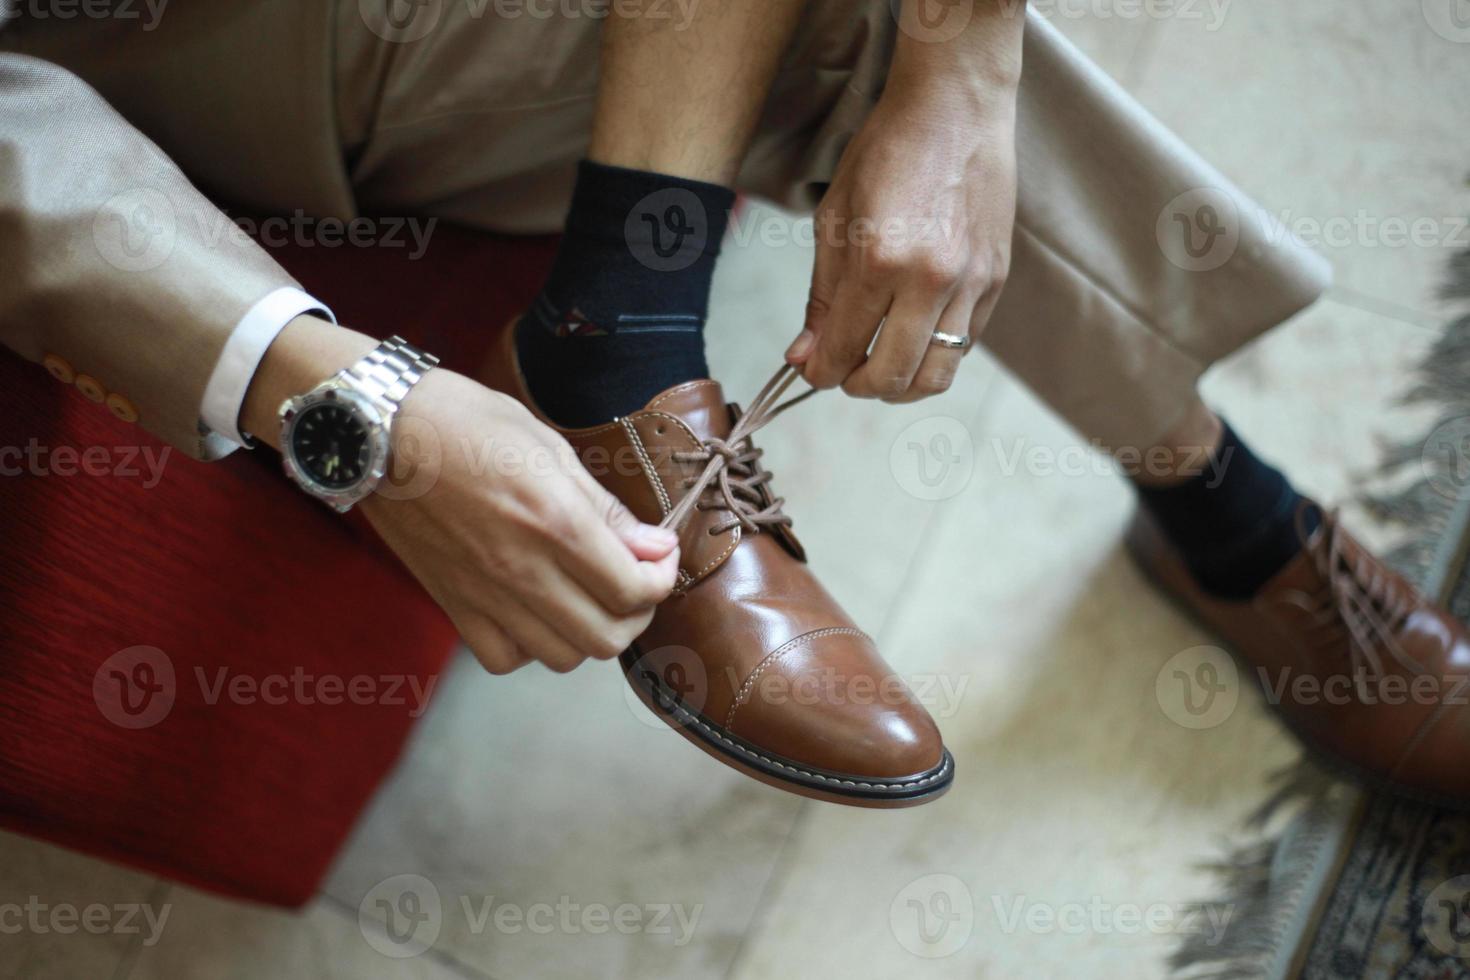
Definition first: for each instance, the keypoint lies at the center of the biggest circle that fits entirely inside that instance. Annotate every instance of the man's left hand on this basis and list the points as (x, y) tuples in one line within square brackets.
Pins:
[(914, 234)]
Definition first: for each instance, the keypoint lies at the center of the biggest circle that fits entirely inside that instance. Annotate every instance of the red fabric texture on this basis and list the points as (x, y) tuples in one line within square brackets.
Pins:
[(220, 567)]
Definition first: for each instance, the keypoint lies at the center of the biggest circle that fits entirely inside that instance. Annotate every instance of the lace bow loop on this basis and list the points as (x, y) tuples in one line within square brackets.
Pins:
[(732, 465), (1361, 598)]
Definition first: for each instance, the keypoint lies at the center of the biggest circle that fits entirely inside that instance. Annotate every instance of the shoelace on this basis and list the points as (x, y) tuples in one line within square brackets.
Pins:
[(732, 466), (1359, 602)]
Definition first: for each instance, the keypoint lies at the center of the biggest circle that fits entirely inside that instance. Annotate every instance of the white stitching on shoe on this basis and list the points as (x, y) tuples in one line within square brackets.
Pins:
[(686, 386), (665, 500), (743, 694), (648, 470), (875, 784)]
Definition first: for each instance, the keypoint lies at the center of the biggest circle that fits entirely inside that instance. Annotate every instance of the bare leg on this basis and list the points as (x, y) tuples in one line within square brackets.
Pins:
[(1184, 452), (621, 317), (683, 98)]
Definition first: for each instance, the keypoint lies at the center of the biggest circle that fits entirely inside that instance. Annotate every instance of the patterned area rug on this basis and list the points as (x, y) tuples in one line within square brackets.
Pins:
[(1401, 904), (1341, 884)]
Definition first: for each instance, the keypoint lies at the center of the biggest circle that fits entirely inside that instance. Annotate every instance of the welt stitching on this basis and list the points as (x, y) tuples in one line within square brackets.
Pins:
[(875, 783)]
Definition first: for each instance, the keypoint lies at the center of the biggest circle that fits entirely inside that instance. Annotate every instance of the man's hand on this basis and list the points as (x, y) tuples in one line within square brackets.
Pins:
[(529, 556), (914, 233)]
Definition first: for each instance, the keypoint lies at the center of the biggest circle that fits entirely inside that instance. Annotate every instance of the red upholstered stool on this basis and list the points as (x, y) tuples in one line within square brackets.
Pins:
[(198, 756)]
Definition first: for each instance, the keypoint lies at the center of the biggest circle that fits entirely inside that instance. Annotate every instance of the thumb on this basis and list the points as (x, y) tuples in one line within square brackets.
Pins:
[(647, 542)]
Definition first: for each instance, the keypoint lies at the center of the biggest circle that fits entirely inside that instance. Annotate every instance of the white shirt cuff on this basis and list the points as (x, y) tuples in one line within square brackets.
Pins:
[(224, 396)]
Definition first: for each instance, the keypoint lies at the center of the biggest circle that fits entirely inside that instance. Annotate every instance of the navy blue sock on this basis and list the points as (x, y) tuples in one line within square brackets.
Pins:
[(622, 316), (1235, 524)]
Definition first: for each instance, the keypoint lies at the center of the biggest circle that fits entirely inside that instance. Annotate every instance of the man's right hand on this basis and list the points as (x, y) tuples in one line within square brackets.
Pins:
[(530, 557)]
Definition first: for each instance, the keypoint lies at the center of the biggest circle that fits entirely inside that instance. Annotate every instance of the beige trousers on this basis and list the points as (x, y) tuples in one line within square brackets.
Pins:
[(1135, 264)]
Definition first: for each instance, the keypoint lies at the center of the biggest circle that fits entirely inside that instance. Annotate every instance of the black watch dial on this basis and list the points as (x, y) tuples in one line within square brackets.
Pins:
[(330, 443)]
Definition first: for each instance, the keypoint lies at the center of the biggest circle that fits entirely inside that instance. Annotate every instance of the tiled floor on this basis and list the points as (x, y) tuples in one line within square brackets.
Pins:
[(1009, 601)]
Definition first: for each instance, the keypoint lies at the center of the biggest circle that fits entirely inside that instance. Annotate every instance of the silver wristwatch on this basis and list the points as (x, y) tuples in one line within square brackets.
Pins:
[(336, 438)]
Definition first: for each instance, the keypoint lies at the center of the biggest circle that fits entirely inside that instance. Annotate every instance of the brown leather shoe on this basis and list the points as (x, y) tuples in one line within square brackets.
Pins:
[(750, 658), (1366, 672)]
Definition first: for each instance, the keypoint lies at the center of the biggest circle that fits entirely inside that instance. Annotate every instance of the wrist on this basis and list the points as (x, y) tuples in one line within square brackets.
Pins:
[(977, 69), (307, 352)]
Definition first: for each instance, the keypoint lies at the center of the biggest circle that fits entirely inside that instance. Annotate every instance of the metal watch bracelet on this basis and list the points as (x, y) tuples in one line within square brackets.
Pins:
[(389, 371)]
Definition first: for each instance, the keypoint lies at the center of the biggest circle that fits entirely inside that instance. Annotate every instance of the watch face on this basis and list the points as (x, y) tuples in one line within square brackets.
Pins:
[(330, 443)]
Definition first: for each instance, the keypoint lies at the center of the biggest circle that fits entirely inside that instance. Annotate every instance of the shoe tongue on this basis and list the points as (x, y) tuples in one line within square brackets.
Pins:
[(701, 406)]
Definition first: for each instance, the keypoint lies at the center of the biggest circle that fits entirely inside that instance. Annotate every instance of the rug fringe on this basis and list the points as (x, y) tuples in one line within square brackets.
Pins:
[(1263, 880)]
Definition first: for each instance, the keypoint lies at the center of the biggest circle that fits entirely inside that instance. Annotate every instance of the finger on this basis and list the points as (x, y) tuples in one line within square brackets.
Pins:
[(940, 364), (602, 554), (534, 637), (581, 620), (847, 331), (985, 308), (495, 651), (647, 542), (900, 349), (826, 270)]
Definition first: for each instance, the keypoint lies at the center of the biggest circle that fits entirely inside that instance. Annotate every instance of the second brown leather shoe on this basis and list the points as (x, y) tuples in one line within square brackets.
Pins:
[(1367, 673), (750, 658)]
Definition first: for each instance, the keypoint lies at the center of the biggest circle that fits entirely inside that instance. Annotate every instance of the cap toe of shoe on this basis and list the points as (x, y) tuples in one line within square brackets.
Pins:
[(830, 703)]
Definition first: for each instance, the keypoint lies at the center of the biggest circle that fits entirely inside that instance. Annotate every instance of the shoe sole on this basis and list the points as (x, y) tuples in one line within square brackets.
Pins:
[(1334, 763), (773, 770)]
